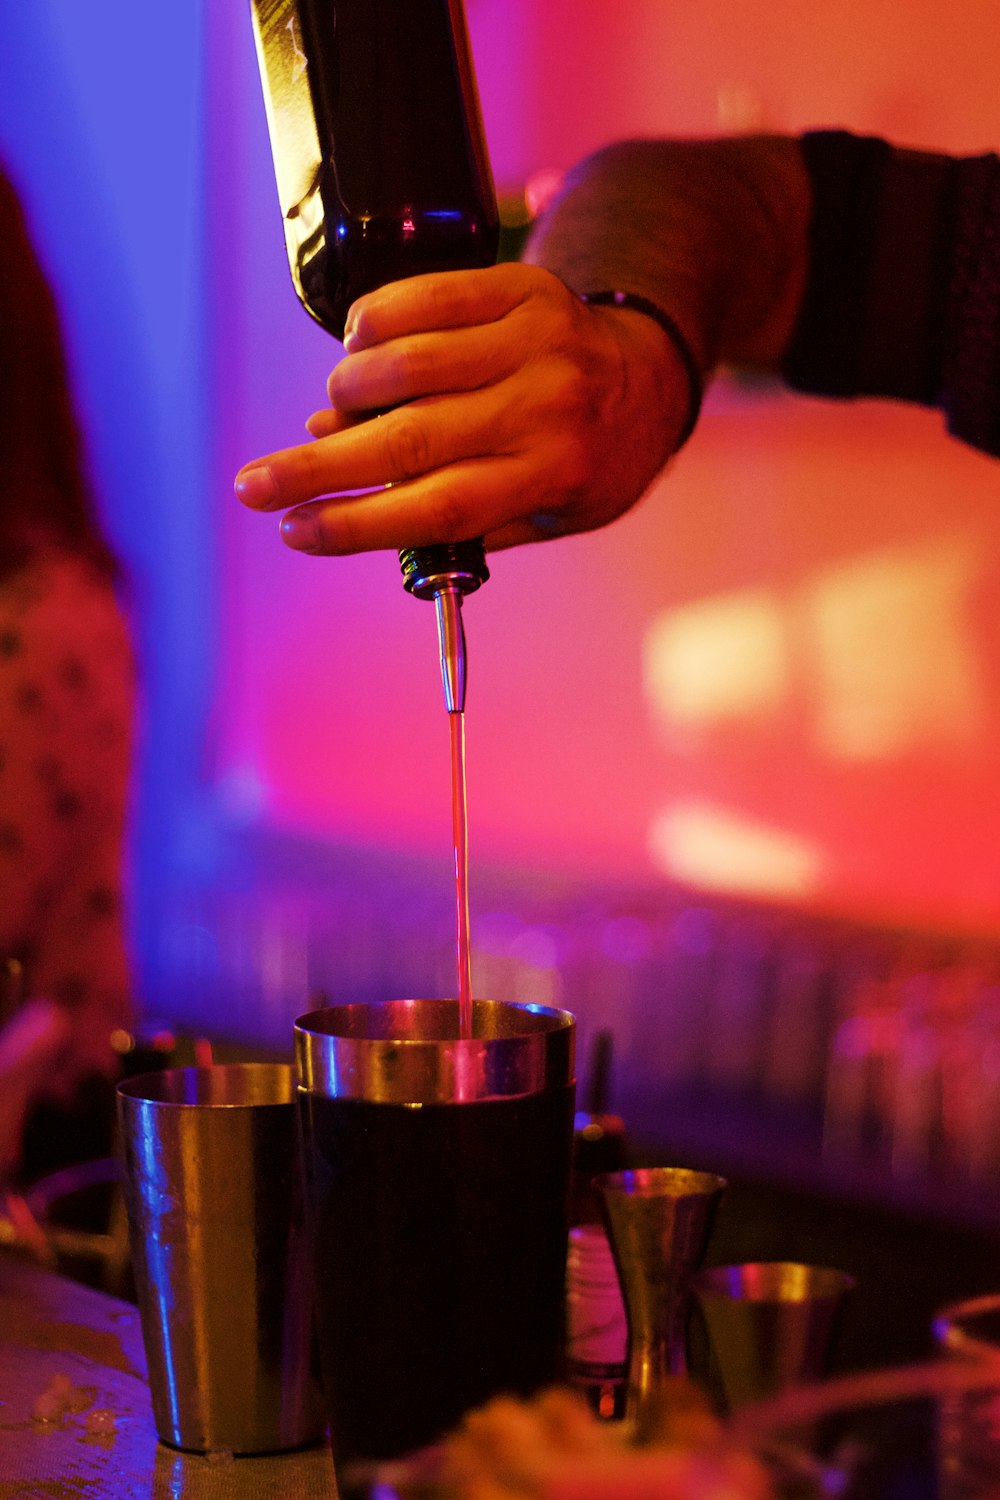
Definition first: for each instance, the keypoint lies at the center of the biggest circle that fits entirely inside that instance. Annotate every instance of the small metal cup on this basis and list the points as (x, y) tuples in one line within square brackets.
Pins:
[(969, 1420), (658, 1221), (213, 1191), (770, 1324)]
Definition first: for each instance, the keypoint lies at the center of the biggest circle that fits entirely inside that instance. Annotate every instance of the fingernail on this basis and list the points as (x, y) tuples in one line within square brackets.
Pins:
[(255, 487), (300, 530), (353, 333)]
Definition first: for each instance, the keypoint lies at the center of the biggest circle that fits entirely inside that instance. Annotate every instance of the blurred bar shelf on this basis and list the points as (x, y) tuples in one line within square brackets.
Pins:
[(819, 1053), (785, 1149)]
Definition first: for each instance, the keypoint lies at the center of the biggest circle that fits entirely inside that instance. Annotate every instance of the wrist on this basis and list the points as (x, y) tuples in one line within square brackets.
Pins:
[(676, 338)]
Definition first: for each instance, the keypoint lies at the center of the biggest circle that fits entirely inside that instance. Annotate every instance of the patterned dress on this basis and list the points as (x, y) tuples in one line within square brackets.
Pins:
[(66, 712)]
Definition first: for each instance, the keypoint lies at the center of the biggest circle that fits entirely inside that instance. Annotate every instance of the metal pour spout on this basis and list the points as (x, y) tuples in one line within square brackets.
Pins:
[(451, 646), (446, 575)]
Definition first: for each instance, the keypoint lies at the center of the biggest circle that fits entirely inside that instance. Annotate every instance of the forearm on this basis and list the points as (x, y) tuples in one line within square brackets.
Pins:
[(714, 231)]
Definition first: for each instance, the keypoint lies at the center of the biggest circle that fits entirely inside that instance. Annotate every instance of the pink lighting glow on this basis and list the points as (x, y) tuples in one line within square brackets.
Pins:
[(780, 674)]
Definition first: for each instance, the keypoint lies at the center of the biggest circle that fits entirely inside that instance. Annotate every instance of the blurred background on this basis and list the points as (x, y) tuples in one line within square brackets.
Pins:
[(732, 763)]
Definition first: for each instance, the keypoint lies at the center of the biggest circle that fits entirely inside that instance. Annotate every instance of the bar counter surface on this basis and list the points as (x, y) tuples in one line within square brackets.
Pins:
[(58, 1336)]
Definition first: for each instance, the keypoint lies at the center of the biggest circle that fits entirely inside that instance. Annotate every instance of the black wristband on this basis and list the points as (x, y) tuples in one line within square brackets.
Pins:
[(639, 304)]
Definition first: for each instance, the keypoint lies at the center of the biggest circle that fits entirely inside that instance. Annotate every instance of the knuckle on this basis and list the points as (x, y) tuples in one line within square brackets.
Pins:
[(573, 411), (341, 386), (532, 280), (440, 299), (575, 390), (571, 428), (310, 478), (450, 522), (408, 370), (406, 446)]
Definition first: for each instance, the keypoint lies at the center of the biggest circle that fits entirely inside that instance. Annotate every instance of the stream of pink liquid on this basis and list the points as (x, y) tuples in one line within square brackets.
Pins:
[(460, 831)]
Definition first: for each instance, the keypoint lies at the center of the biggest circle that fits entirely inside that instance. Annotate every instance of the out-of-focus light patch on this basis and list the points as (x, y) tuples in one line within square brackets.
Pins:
[(719, 659), (626, 940), (739, 108), (536, 976), (242, 793), (536, 947), (894, 655), (194, 949), (710, 849), (540, 188), (694, 930)]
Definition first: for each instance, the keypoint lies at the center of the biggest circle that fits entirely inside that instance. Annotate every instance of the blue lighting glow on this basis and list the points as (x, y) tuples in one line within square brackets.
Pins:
[(96, 133)]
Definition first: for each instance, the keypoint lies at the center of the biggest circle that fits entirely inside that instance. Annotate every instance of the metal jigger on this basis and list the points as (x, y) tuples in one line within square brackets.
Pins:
[(658, 1221), (770, 1324)]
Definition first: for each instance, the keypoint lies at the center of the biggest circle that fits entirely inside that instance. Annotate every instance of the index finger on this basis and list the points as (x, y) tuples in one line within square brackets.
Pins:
[(438, 301)]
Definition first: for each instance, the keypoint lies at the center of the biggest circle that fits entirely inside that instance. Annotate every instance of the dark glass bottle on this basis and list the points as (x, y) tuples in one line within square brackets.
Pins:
[(596, 1325), (381, 164), (378, 144), (600, 1143)]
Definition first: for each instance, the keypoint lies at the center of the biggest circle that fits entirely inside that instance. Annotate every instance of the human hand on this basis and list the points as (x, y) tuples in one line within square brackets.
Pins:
[(509, 410)]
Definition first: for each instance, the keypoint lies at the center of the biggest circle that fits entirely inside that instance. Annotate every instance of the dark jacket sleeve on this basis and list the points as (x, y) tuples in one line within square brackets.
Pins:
[(903, 293)]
